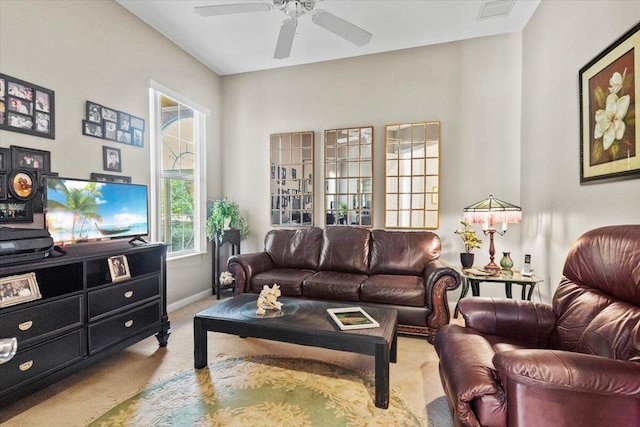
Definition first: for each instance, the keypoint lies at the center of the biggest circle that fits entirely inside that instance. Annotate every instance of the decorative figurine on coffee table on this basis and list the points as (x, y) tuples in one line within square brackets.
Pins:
[(267, 299)]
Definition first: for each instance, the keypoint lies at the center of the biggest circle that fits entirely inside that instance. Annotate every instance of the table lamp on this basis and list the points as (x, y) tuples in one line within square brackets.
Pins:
[(489, 212)]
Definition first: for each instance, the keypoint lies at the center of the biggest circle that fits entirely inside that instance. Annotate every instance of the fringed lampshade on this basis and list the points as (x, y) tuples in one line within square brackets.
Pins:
[(489, 212)]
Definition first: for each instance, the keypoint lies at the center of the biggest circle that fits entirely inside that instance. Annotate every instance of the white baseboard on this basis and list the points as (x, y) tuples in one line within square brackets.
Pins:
[(186, 301)]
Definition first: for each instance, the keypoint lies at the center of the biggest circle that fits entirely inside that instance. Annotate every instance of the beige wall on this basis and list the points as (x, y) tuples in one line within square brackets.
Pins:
[(560, 39), (98, 51), (508, 106), (472, 87)]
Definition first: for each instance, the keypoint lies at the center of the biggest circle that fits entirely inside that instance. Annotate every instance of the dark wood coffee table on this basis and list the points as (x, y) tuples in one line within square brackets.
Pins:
[(304, 322)]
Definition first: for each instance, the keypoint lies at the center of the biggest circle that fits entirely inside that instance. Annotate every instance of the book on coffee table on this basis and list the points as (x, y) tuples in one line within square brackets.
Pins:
[(352, 318)]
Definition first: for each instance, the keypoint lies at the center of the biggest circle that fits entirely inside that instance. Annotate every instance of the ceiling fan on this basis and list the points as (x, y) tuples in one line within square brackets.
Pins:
[(293, 9)]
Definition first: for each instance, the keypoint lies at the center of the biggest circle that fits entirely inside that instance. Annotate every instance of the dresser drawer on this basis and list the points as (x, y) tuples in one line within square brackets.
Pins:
[(35, 323), (41, 360), (122, 295), (119, 327)]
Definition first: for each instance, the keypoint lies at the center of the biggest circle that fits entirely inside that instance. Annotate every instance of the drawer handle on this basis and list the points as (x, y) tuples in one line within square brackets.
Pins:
[(25, 326), (128, 323), (128, 294), (26, 365)]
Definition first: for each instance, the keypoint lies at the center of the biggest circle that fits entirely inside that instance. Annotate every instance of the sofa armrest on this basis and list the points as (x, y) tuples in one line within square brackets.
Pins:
[(438, 279), (544, 386), (521, 320), (243, 266)]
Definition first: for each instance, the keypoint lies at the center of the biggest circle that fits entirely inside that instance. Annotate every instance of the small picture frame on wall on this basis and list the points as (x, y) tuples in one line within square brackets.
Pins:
[(18, 289), (109, 114), (137, 123), (92, 129), (26, 107), (22, 184), (37, 203), (16, 212), (28, 158), (124, 121), (137, 139), (3, 97), (94, 112), (42, 176), (5, 159), (123, 136), (109, 130), (3, 187), (610, 131), (119, 268), (111, 159)]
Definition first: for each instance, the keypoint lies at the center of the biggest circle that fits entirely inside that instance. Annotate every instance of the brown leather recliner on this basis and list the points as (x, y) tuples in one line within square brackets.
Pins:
[(574, 363)]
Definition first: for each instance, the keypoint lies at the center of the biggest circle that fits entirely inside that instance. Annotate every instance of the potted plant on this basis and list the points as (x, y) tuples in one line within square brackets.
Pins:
[(342, 213), (471, 242), (224, 211)]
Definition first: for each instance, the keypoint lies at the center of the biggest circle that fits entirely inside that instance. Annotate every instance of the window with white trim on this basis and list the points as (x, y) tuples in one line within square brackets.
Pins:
[(177, 185)]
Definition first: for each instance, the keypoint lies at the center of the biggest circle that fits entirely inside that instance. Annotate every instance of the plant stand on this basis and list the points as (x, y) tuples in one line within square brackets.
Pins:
[(232, 237)]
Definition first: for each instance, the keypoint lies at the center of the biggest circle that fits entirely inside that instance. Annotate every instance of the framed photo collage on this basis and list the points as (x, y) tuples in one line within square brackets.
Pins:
[(26, 107), (107, 123)]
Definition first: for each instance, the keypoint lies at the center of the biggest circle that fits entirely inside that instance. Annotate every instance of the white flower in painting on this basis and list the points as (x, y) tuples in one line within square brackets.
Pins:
[(609, 124), (615, 83)]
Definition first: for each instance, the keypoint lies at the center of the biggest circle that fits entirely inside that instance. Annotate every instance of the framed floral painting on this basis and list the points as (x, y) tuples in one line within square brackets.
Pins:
[(609, 99)]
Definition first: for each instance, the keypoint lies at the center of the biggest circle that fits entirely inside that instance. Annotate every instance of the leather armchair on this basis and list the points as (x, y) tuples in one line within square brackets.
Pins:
[(574, 362)]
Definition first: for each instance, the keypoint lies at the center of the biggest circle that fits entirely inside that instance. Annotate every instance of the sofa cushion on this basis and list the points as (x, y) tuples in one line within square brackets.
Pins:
[(289, 279), (398, 252), (333, 285), (294, 248), (345, 249), (394, 289)]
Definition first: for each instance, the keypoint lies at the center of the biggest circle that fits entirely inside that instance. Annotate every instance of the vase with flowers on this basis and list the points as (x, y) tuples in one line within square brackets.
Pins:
[(471, 242)]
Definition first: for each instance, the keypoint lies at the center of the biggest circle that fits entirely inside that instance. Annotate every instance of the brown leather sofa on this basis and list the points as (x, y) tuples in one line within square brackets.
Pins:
[(574, 363), (395, 269)]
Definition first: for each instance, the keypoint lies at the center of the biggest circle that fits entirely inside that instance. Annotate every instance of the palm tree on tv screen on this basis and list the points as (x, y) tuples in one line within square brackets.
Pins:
[(81, 202)]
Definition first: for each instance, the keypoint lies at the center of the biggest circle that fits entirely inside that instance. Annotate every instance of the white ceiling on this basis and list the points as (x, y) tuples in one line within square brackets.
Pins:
[(244, 42)]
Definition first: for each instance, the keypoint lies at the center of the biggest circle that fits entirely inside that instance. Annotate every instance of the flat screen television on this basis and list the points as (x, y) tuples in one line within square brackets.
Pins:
[(79, 210)]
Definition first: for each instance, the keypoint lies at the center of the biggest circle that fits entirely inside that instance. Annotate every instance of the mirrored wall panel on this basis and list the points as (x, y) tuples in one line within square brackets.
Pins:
[(292, 179), (348, 176), (412, 175)]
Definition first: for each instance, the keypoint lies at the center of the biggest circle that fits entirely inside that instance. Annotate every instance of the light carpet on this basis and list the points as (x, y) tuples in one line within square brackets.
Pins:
[(262, 391), (79, 399)]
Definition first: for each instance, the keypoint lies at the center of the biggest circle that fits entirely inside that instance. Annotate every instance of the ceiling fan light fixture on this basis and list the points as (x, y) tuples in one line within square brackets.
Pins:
[(293, 9)]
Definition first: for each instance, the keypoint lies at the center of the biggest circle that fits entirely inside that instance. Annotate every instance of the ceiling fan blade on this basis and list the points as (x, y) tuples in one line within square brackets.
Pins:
[(228, 9), (285, 39), (340, 27)]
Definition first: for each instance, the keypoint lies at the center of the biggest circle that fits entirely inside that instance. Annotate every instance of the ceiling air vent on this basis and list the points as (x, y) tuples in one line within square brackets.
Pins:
[(493, 8)]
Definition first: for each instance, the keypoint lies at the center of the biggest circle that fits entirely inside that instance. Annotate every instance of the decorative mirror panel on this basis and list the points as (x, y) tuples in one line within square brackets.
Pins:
[(412, 175), (291, 181), (348, 176)]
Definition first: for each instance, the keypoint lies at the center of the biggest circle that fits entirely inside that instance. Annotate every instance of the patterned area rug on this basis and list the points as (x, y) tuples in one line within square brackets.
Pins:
[(262, 391)]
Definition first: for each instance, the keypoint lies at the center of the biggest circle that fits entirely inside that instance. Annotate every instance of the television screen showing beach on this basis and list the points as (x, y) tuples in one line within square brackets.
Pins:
[(78, 210)]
